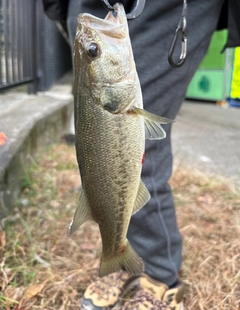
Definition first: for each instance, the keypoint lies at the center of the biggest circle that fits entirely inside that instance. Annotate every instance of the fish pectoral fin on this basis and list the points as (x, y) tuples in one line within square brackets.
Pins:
[(153, 131), (127, 259), (153, 128), (152, 117), (81, 215), (142, 197)]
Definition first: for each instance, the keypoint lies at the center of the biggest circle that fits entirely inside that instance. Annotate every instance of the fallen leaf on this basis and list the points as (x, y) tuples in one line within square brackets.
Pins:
[(2, 239), (33, 290), (87, 246), (3, 138), (13, 293)]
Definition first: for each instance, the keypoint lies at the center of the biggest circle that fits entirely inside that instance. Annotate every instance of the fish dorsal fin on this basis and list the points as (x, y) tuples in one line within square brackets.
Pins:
[(142, 198), (81, 215), (153, 129)]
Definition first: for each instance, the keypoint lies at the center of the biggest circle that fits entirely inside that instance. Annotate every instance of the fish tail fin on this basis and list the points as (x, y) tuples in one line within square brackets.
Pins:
[(127, 259)]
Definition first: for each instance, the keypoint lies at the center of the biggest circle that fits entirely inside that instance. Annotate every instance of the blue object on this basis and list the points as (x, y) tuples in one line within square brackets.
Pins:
[(234, 102)]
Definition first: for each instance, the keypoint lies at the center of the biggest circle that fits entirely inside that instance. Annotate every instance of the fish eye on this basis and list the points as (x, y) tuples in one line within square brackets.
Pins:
[(93, 50)]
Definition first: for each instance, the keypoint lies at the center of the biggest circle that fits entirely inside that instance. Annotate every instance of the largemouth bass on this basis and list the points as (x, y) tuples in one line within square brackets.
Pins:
[(111, 127)]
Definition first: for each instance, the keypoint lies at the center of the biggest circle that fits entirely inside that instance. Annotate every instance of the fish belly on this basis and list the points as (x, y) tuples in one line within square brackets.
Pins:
[(109, 151)]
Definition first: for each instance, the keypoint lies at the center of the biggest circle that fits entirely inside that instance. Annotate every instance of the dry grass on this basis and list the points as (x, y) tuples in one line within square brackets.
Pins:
[(208, 215), (42, 268)]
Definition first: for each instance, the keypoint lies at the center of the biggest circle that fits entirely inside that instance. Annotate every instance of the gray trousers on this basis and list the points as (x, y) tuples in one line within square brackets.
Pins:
[(153, 231)]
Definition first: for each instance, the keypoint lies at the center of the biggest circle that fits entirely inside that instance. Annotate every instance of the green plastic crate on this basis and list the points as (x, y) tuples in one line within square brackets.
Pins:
[(214, 58), (212, 80), (207, 84)]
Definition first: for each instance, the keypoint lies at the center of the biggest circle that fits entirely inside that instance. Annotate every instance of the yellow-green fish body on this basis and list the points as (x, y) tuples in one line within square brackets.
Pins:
[(110, 130)]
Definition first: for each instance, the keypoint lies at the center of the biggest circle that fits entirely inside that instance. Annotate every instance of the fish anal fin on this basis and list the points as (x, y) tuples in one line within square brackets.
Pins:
[(142, 197), (127, 259), (81, 215)]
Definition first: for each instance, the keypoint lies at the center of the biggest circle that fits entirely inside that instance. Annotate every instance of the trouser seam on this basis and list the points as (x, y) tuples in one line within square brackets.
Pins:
[(162, 220)]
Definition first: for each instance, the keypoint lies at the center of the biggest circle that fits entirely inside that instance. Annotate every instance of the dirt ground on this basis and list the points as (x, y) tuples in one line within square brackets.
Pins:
[(42, 268)]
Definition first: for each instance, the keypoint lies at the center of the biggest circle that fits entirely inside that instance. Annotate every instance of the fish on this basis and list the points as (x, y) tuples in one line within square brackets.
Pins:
[(110, 130)]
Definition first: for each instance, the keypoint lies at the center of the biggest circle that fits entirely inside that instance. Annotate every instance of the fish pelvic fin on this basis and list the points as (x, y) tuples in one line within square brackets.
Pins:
[(127, 259), (152, 122), (81, 215), (142, 198)]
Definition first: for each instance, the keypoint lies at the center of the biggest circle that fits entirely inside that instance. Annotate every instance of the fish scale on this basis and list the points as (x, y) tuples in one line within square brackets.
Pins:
[(110, 127), (104, 168)]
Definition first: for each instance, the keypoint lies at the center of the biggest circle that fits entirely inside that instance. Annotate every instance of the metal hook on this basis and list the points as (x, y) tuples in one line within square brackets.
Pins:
[(183, 55), (137, 10), (181, 30)]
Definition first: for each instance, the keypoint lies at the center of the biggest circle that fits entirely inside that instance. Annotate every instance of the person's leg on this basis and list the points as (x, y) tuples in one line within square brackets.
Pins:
[(153, 230)]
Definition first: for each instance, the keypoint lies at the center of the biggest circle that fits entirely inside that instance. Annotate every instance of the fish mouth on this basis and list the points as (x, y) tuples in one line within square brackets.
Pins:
[(114, 24), (118, 15)]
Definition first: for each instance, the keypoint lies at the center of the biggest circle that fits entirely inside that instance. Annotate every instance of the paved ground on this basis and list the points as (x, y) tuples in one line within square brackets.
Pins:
[(28, 122), (207, 137)]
